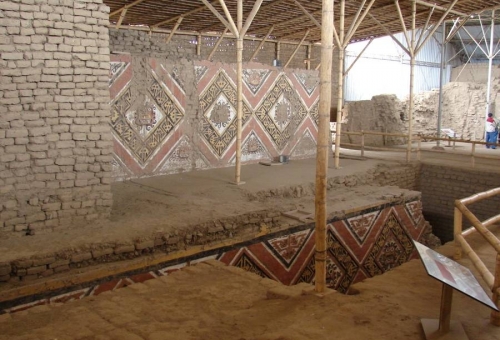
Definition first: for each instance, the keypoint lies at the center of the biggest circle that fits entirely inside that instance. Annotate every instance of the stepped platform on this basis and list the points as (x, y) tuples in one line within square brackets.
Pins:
[(212, 301), (266, 226)]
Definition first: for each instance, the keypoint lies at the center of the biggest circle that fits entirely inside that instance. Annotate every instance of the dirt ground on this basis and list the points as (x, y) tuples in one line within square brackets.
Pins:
[(209, 301)]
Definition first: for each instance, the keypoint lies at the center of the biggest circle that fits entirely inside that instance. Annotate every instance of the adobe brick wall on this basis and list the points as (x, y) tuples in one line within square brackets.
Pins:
[(55, 140), (442, 185), (184, 46)]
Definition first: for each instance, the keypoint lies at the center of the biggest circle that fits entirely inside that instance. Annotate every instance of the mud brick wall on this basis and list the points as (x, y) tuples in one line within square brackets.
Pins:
[(441, 186), (55, 140), (175, 115), (184, 46)]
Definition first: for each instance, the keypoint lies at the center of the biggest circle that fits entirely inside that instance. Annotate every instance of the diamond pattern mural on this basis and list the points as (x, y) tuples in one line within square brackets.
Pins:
[(218, 106), (157, 103), (308, 81), (281, 112), (361, 245), (255, 78), (143, 116)]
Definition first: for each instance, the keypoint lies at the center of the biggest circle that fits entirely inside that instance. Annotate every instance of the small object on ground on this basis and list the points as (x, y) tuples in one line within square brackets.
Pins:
[(270, 163)]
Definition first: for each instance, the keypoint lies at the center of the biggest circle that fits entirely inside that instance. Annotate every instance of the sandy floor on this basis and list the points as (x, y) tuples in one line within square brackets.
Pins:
[(211, 302)]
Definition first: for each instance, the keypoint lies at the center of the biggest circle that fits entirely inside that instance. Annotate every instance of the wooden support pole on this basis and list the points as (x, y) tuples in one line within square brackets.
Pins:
[(340, 88), (495, 316), (353, 21), (278, 50), (122, 16), (389, 34), (198, 45), (229, 17), (454, 30), (318, 67), (425, 27), (324, 144), (362, 144), (177, 24), (445, 311), (262, 42), (221, 18), (402, 20), (251, 16), (457, 230), (308, 56), (296, 49), (358, 22), (412, 79), (358, 56), (216, 46), (239, 90), (306, 12), (436, 26)]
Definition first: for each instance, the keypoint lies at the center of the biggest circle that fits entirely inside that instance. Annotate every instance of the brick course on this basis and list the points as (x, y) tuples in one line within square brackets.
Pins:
[(442, 185), (54, 101)]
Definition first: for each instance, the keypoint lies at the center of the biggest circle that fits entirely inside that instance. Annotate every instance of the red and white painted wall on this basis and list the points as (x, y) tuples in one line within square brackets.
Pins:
[(169, 117)]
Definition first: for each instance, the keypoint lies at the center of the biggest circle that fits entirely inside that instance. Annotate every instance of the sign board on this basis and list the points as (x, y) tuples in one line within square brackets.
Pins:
[(449, 132), (453, 274)]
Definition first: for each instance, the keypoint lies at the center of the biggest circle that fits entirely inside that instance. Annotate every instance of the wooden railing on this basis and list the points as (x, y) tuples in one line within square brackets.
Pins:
[(362, 147), (415, 139), (491, 279)]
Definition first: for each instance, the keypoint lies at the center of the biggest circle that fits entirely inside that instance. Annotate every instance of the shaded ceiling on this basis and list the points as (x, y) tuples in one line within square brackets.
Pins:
[(287, 16)]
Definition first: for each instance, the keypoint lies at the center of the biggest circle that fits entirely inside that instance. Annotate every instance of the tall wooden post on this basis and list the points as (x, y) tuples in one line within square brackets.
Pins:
[(239, 88), (340, 92), (412, 50), (495, 316), (324, 143), (308, 56), (198, 45)]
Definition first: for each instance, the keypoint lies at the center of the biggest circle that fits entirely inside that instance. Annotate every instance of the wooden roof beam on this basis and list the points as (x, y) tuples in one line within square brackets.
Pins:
[(257, 50), (251, 16), (136, 2), (229, 17), (424, 3), (388, 22), (306, 12), (357, 21), (217, 44), (437, 24), (193, 11), (214, 26), (177, 24), (402, 21), (425, 26), (285, 23), (122, 16), (296, 49), (389, 33), (232, 27)]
